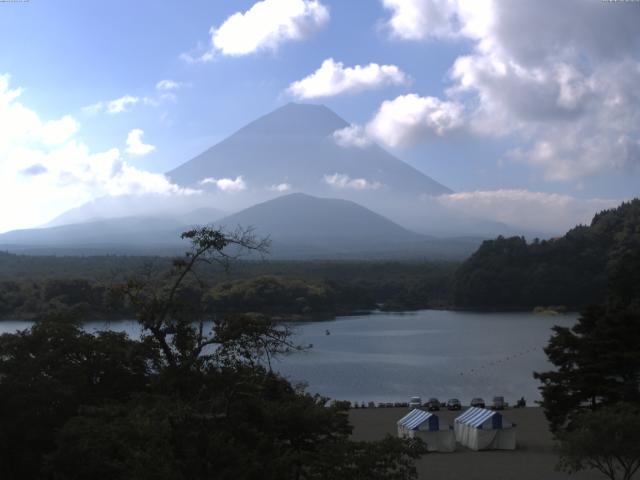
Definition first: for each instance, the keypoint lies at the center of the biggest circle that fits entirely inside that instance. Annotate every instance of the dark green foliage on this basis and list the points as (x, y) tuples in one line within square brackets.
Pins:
[(509, 273), (598, 362), (303, 289), (607, 440), (80, 298), (286, 297), (47, 374), (182, 402)]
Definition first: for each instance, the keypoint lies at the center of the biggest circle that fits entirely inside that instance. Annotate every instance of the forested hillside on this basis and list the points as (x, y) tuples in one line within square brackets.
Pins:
[(574, 270), (34, 287)]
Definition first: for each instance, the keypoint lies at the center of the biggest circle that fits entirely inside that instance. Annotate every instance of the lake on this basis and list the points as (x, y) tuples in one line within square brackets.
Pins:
[(432, 353)]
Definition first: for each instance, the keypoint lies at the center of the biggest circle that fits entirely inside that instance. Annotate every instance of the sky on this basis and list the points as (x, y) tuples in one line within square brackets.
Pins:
[(527, 109)]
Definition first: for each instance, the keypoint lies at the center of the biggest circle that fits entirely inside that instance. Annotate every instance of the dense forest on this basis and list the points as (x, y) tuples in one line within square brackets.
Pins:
[(31, 287), (573, 271), (503, 274)]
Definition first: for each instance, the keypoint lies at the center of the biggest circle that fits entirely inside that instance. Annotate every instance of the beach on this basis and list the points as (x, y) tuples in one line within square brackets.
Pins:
[(534, 458)]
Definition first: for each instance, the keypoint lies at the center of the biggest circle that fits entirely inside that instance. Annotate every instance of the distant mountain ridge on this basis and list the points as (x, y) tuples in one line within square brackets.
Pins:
[(301, 227)]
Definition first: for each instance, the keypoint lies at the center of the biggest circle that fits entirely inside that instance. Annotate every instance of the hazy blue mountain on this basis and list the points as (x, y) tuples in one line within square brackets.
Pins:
[(181, 209), (116, 235), (293, 148), (294, 144), (303, 226), (301, 217), (300, 227)]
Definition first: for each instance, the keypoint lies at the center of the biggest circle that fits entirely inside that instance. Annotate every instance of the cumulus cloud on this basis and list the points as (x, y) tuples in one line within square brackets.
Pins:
[(281, 187), (405, 121), (168, 85), (226, 184), (571, 97), (352, 136), (46, 160), (409, 118), (332, 78), (59, 131), (265, 26), (342, 181), (532, 211), (112, 107), (135, 145), (418, 19)]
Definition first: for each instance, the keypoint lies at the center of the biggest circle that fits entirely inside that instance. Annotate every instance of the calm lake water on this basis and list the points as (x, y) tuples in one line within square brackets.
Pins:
[(431, 353)]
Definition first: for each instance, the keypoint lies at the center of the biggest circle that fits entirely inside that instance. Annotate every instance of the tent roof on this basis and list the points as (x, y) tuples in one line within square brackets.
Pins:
[(414, 418), (475, 417)]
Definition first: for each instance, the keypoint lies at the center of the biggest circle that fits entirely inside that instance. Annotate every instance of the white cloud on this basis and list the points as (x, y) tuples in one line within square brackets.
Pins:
[(46, 169), (352, 136), (168, 85), (341, 180), (265, 26), (281, 187), (532, 211), (409, 119), (332, 78), (59, 131), (135, 146), (418, 19), (569, 96), (226, 184), (118, 105)]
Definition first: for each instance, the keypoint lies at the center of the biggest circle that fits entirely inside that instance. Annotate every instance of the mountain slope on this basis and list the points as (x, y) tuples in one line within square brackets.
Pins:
[(303, 226), (294, 145), (117, 235), (300, 217), (182, 209)]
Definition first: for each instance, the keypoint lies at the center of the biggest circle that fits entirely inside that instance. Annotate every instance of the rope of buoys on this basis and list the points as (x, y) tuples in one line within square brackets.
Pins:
[(499, 361)]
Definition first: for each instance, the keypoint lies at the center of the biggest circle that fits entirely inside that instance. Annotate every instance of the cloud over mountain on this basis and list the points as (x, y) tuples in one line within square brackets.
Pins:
[(333, 78), (571, 97), (405, 121), (226, 184)]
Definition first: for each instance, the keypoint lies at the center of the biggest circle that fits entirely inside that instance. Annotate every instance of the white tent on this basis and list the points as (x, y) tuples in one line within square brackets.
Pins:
[(482, 429), (426, 426)]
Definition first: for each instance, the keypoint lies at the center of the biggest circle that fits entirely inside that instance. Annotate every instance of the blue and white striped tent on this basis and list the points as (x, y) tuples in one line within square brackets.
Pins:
[(482, 429), (416, 419), (425, 425)]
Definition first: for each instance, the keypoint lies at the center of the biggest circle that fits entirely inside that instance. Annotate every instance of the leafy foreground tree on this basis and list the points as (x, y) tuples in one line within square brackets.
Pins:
[(598, 363), (195, 398), (607, 440), (592, 399)]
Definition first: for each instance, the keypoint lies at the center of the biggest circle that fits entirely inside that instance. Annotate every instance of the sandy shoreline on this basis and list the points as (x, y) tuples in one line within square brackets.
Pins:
[(534, 459)]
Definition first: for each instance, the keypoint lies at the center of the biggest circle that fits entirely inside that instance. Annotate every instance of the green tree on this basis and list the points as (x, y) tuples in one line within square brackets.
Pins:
[(48, 373), (598, 362), (607, 440), (195, 398)]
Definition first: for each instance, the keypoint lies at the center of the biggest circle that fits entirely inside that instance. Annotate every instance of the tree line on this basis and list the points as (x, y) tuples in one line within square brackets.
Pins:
[(573, 270), (297, 291)]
